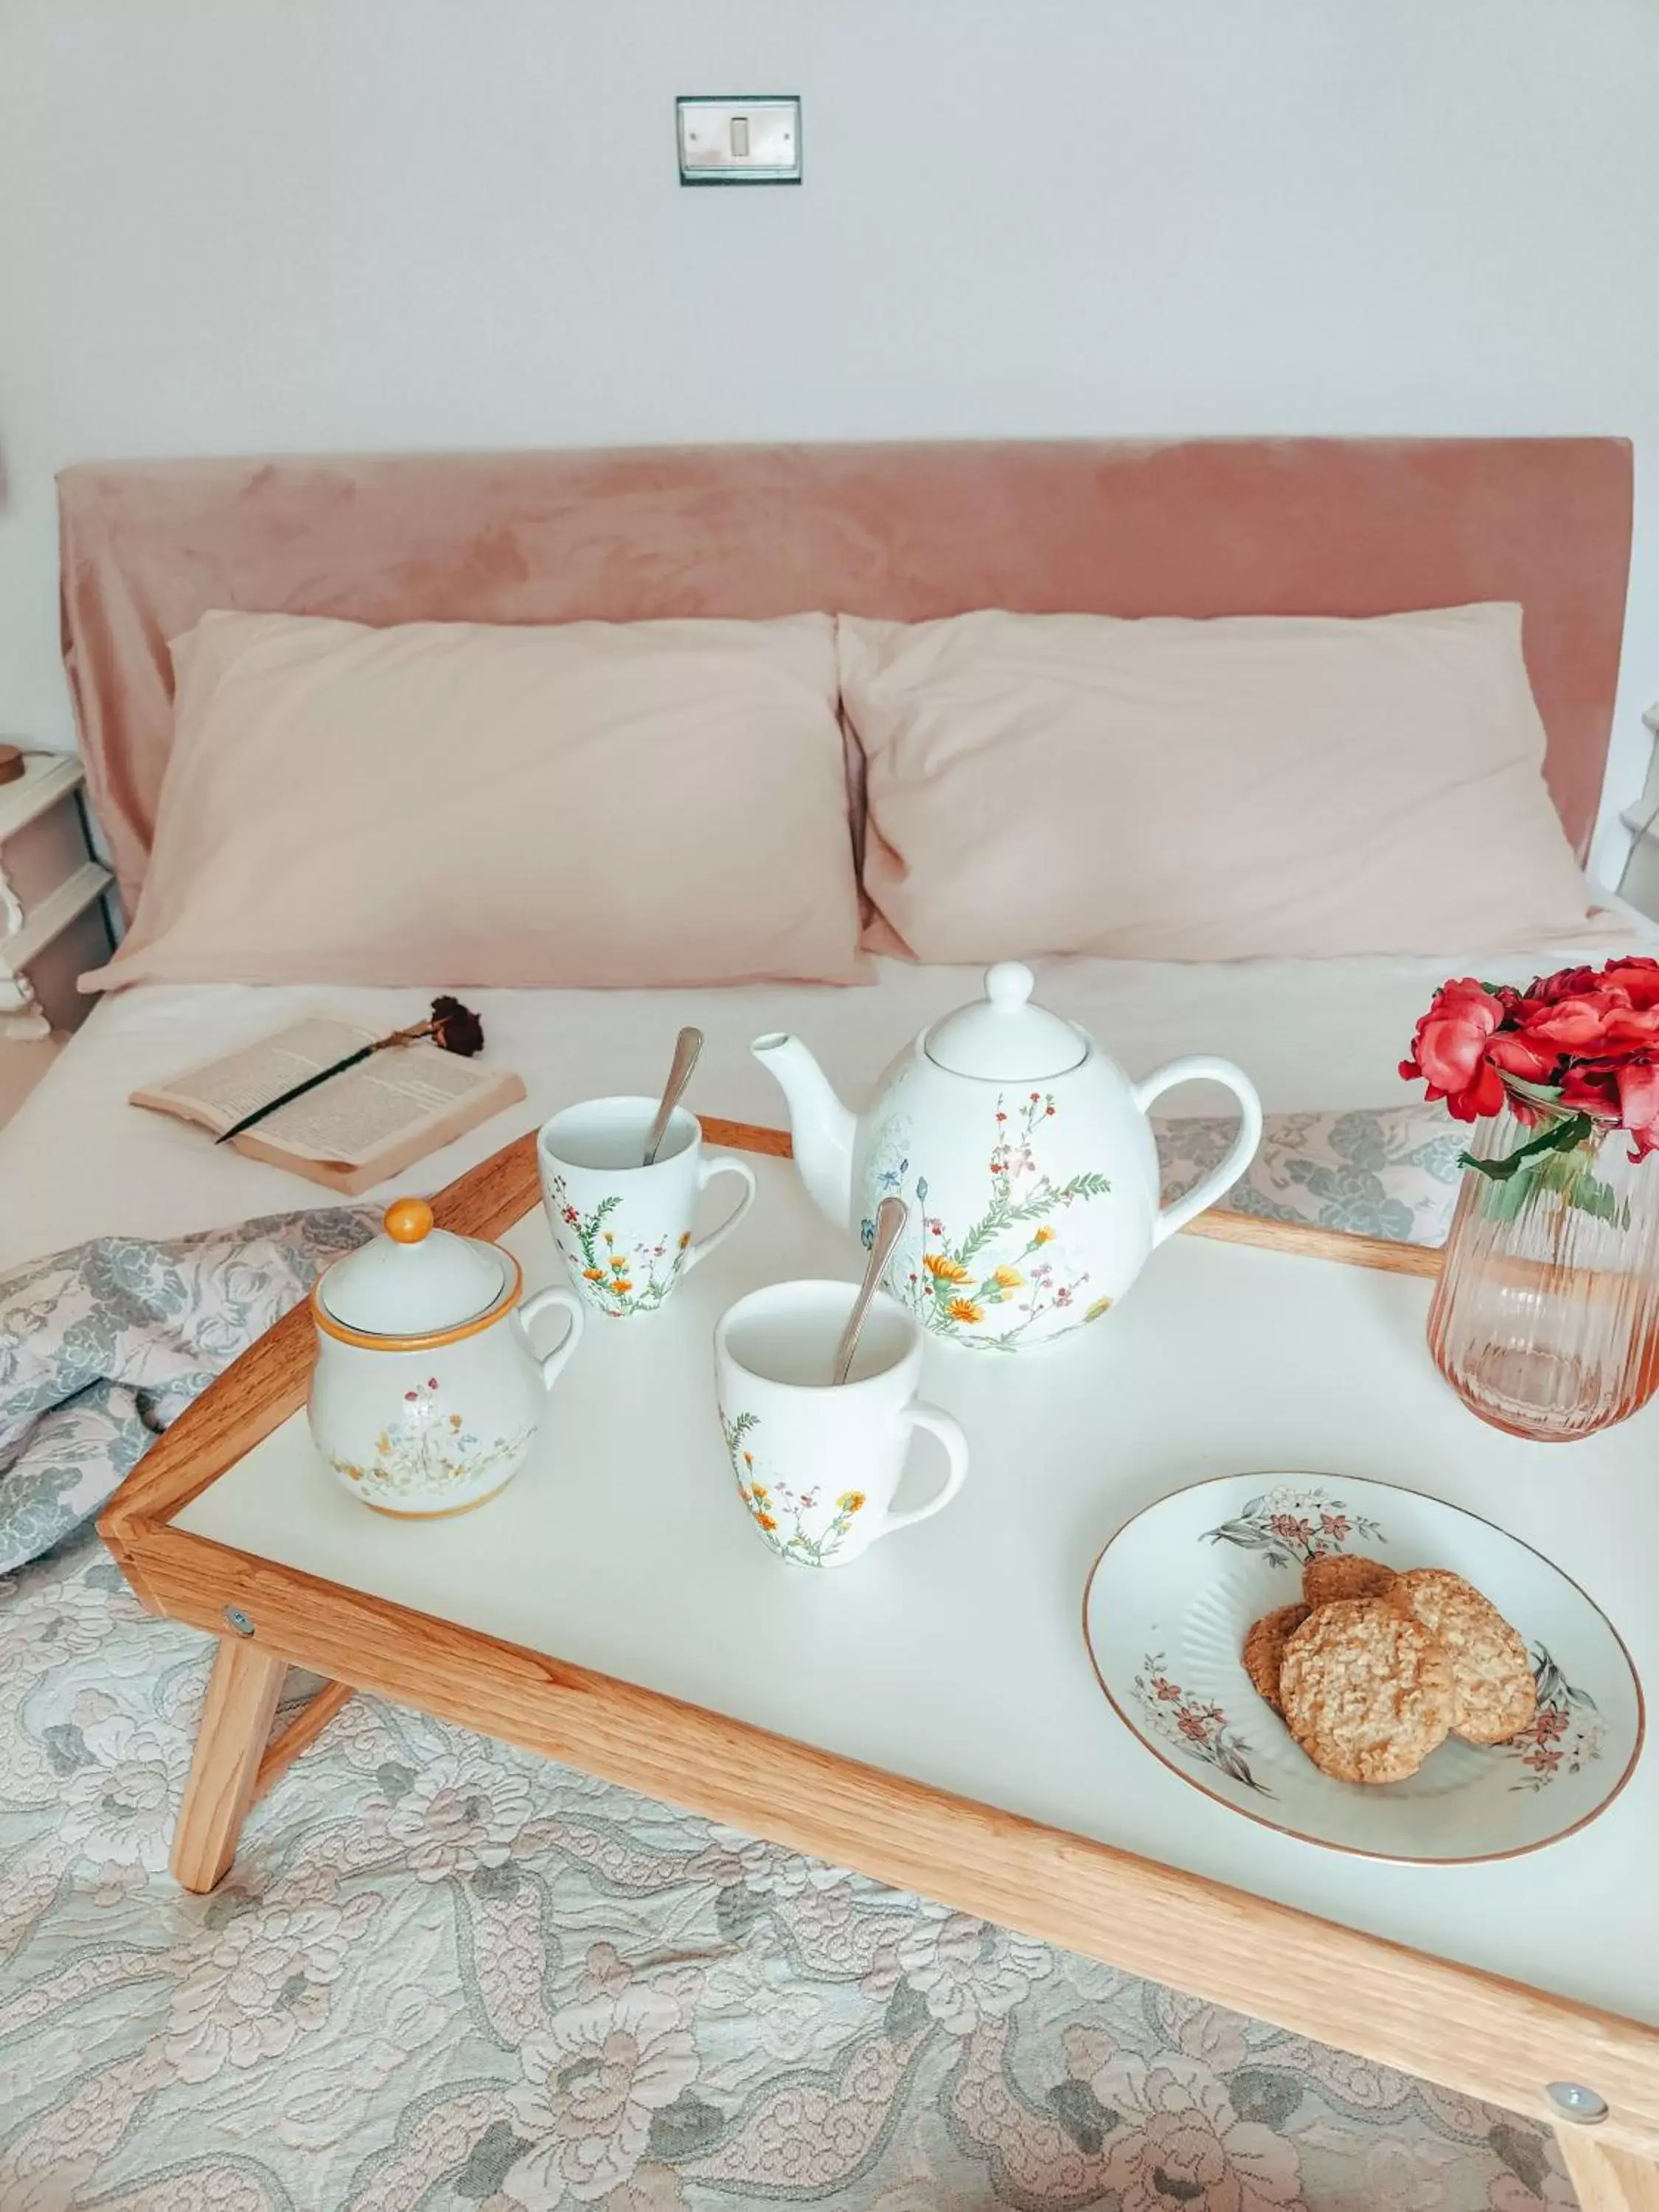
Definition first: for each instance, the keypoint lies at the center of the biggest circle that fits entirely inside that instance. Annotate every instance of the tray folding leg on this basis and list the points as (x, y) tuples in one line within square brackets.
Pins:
[(233, 1763)]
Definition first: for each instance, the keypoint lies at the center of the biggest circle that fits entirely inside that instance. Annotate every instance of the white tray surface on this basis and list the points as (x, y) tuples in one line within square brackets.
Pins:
[(953, 1653)]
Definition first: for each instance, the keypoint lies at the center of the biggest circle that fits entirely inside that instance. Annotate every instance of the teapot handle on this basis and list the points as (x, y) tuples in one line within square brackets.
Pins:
[(1199, 1067)]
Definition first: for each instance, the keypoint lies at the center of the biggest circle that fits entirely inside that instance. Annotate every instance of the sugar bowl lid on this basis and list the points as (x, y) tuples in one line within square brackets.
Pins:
[(1003, 1037), (414, 1280)]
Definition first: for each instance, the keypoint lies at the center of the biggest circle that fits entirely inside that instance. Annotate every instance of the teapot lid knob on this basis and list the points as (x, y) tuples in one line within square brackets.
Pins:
[(1009, 984), (1003, 1037)]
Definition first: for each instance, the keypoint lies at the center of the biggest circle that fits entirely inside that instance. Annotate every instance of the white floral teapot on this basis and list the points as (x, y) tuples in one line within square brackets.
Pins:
[(1025, 1155)]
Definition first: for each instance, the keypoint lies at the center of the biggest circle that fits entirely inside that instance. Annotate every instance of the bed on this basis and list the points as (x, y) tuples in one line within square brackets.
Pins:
[(400, 1999)]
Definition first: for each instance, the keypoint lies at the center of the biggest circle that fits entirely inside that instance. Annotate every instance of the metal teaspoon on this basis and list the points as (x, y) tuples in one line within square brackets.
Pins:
[(687, 1046), (890, 1217)]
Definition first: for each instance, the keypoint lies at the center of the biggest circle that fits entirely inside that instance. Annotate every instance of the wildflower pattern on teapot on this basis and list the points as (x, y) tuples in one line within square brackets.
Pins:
[(427, 1450), (619, 1281), (1010, 1268)]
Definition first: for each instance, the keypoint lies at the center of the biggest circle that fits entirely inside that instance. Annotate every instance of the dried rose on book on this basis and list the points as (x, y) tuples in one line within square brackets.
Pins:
[(450, 1025), (454, 1027), (1570, 1056)]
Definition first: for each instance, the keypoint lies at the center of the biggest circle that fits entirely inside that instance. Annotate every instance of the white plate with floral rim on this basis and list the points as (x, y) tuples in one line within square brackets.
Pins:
[(1170, 1598)]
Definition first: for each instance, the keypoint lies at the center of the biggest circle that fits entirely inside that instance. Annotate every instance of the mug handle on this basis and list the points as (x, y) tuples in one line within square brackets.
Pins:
[(920, 1415), (552, 1364), (719, 1163), (1200, 1068)]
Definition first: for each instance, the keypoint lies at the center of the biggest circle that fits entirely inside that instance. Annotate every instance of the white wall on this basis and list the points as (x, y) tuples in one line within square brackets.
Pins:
[(259, 225)]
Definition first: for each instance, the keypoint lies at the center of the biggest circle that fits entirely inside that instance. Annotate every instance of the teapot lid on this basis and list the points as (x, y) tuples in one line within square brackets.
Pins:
[(1003, 1037), (414, 1281)]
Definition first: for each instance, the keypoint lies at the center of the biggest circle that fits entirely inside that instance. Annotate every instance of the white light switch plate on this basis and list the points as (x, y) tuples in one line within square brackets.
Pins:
[(740, 142)]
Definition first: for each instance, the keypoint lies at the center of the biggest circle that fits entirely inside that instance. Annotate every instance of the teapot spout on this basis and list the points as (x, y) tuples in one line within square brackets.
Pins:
[(822, 1128)]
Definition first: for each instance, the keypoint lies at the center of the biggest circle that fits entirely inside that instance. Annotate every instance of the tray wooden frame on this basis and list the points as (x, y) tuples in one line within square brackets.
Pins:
[(1470, 2031)]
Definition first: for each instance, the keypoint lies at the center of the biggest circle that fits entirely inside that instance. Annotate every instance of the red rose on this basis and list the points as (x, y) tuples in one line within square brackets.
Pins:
[(1592, 1088), (1626, 1091), (1639, 1104), (1590, 1022), (1518, 1054), (1638, 979), (1578, 1023), (1565, 983), (1451, 1047), (1632, 1025)]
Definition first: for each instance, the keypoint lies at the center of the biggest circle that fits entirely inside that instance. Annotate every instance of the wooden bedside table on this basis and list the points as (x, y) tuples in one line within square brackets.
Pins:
[(52, 923)]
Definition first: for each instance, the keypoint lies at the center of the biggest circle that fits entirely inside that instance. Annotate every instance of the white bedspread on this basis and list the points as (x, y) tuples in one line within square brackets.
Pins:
[(76, 1161)]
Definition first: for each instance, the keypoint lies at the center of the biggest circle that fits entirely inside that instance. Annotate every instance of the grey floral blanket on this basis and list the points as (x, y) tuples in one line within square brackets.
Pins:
[(444, 1977), (102, 1347)]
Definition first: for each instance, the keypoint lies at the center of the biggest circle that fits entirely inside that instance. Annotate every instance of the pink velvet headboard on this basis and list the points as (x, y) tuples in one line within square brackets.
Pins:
[(1346, 526)]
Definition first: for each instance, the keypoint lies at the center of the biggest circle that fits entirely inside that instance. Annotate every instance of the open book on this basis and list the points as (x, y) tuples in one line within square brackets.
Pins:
[(353, 1131)]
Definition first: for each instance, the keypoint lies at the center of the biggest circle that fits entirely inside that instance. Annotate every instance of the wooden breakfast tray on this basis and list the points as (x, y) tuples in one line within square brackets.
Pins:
[(1429, 2014)]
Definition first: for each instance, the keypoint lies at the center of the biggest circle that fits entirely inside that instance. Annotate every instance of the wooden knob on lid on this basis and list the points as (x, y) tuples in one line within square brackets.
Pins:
[(408, 1220), (12, 764)]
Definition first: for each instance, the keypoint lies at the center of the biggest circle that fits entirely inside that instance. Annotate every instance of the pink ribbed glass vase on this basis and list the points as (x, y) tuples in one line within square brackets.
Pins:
[(1546, 1320)]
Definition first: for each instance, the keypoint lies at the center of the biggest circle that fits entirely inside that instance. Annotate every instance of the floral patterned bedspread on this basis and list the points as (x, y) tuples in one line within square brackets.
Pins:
[(447, 1976)]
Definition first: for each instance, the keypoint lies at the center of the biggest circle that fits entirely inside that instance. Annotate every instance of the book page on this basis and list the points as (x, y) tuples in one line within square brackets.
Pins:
[(356, 1114), (220, 1092)]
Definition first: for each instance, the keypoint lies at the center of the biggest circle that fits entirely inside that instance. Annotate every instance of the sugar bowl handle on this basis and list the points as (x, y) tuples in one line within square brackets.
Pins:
[(552, 1363), (1200, 1068)]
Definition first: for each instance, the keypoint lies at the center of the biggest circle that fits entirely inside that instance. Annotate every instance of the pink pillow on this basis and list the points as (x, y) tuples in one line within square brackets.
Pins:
[(1182, 790), (651, 803)]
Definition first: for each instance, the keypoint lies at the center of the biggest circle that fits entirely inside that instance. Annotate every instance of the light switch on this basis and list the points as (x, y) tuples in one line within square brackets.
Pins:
[(740, 142)]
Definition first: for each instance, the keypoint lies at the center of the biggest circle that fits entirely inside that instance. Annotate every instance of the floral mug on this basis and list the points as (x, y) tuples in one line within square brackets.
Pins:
[(623, 1229), (817, 1466)]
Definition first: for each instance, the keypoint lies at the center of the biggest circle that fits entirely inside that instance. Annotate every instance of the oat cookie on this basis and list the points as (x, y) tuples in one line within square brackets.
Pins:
[(1344, 1574), (1493, 1694), (1366, 1690), (1264, 1648)]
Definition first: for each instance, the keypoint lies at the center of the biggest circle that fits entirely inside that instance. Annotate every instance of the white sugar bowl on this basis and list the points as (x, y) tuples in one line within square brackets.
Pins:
[(426, 1392)]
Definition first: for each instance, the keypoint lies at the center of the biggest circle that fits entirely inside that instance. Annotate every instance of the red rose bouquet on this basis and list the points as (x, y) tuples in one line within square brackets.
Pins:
[(1572, 1056)]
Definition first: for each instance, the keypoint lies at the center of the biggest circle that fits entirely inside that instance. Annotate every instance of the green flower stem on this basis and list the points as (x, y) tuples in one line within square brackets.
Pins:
[(1574, 1129), (1560, 1158)]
